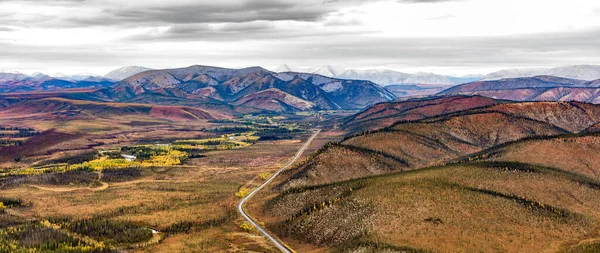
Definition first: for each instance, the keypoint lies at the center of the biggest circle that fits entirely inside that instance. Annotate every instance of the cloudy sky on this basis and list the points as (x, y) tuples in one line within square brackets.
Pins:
[(443, 36)]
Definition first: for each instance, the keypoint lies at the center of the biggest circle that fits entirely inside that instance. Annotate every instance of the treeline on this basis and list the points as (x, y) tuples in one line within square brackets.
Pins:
[(21, 132), (143, 152), (36, 236), (16, 129), (6, 143), (194, 226), (78, 177), (121, 175), (278, 133), (110, 231), (33, 236), (12, 202), (73, 159)]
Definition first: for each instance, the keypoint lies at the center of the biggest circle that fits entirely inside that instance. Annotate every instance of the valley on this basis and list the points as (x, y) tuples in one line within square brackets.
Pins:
[(132, 180), (296, 162), (315, 126)]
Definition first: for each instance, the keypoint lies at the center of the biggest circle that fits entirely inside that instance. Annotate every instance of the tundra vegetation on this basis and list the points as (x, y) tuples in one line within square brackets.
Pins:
[(72, 190), (504, 177)]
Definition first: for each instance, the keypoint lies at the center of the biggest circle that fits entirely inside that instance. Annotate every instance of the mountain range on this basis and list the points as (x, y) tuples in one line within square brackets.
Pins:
[(383, 77), (17, 82), (253, 87), (580, 72), (256, 89)]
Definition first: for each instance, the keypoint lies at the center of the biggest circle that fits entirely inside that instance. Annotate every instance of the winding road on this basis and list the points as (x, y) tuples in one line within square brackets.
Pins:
[(247, 217)]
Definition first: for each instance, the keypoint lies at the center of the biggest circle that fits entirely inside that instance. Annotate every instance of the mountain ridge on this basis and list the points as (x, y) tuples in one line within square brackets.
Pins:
[(230, 86)]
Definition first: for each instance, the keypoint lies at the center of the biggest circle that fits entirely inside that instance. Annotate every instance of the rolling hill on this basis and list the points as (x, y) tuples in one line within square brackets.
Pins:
[(385, 114), (540, 88), (456, 127), (63, 109), (506, 177)]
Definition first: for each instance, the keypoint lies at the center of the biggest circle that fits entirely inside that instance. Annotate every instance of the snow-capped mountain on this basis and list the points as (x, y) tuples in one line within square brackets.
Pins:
[(329, 71), (125, 72), (580, 72), (382, 77), (85, 77), (12, 77), (283, 68), (379, 76), (428, 78), (37, 76)]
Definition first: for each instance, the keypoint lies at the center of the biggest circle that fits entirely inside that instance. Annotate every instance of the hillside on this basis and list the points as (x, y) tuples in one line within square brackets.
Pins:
[(540, 88), (571, 153), (510, 177), (385, 114), (465, 207), (517, 83), (63, 109), (451, 131), (287, 92)]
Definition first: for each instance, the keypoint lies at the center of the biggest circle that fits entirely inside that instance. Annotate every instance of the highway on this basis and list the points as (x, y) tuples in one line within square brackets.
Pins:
[(247, 217)]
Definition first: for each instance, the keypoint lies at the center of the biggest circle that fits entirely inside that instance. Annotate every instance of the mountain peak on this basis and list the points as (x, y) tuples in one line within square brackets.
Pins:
[(329, 71), (125, 72), (283, 68)]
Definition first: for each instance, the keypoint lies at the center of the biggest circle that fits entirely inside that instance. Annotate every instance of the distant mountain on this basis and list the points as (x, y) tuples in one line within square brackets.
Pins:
[(412, 90), (125, 72), (580, 72), (428, 78), (464, 79), (540, 88), (12, 77), (329, 71), (252, 87), (283, 68), (517, 83), (16, 82), (383, 77)]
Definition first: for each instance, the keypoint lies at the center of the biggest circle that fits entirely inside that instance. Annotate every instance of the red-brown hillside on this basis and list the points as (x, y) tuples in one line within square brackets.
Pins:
[(385, 114)]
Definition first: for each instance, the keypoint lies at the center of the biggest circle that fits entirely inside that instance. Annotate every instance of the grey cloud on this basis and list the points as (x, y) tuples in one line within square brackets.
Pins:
[(532, 50), (190, 12), (428, 1), (345, 50), (260, 22), (257, 30), (140, 13)]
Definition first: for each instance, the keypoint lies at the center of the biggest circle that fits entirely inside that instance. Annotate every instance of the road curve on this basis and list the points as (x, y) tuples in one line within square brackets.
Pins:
[(247, 217)]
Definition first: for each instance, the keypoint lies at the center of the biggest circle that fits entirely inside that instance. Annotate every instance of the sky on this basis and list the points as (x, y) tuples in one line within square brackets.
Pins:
[(443, 36)]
